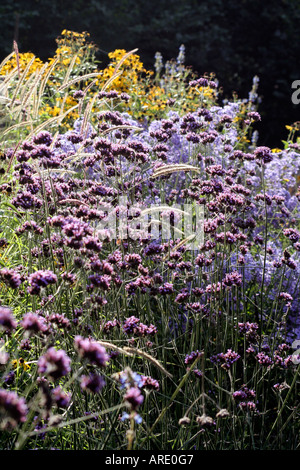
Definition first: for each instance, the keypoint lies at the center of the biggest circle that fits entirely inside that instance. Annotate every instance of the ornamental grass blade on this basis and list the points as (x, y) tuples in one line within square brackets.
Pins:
[(167, 169)]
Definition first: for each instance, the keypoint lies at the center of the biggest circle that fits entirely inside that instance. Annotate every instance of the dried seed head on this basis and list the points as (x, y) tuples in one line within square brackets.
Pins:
[(184, 421), (223, 413), (205, 421)]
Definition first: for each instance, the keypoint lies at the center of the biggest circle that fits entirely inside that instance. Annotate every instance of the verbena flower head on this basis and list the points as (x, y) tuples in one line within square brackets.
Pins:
[(91, 351), (92, 383), (33, 323), (226, 360), (41, 279), (133, 325), (264, 359), (133, 398), (54, 364), (13, 409), (190, 358), (60, 397), (7, 320), (250, 330), (263, 154), (149, 383), (244, 393), (11, 277)]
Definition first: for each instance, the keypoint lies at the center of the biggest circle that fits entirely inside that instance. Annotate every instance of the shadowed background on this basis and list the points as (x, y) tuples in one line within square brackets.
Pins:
[(234, 39)]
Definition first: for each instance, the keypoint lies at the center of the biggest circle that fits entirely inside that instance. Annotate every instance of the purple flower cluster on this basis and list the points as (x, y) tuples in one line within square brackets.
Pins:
[(91, 351), (7, 320), (246, 398), (133, 398), (249, 330), (110, 324), (60, 397), (226, 360), (149, 383), (133, 383), (190, 358), (34, 323), (54, 364), (92, 383), (13, 409), (133, 325), (39, 280), (11, 277), (264, 359), (247, 194)]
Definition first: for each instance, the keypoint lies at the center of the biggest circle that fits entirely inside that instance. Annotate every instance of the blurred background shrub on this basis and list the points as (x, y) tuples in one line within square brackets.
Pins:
[(234, 40)]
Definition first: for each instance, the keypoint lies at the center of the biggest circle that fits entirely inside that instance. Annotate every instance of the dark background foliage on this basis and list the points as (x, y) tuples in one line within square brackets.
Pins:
[(234, 39)]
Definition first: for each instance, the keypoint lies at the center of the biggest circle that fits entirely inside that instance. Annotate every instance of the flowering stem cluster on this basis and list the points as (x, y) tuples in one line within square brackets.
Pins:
[(108, 342)]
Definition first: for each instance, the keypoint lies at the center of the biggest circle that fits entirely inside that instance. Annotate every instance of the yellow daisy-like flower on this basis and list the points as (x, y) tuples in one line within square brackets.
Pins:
[(24, 60), (132, 68), (20, 363)]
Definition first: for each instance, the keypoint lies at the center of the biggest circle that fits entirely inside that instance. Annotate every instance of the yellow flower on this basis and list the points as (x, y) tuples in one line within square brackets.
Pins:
[(131, 68), (243, 139), (20, 363), (24, 60), (50, 110)]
